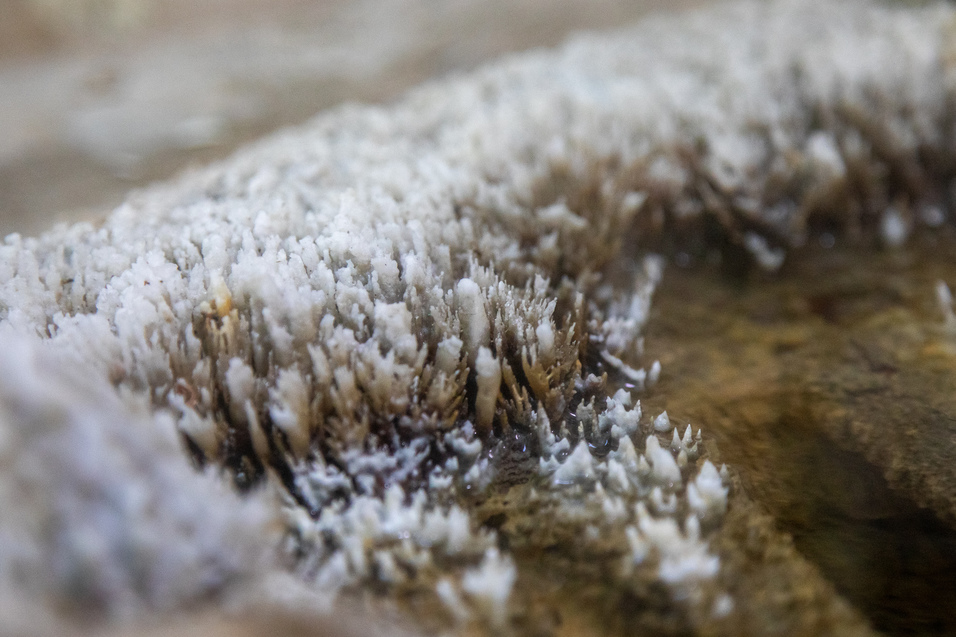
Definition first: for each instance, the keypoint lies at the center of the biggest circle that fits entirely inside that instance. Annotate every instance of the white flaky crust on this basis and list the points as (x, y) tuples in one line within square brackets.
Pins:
[(360, 310)]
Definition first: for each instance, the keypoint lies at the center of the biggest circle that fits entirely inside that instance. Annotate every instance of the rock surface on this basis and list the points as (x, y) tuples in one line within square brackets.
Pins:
[(830, 388)]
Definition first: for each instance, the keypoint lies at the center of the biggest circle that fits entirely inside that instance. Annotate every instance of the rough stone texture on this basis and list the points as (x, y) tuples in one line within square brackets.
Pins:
[(829, 386)]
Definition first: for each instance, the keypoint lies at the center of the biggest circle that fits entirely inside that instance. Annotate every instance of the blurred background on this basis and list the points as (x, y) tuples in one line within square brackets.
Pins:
[(101, 96)]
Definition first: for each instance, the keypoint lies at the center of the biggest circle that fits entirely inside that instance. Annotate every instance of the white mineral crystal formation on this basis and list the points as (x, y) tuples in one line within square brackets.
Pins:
[(359, 312)]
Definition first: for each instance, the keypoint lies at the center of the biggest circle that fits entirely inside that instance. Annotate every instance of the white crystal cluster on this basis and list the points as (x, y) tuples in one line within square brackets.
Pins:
[(646, 493), (367, 311), (101, 509)]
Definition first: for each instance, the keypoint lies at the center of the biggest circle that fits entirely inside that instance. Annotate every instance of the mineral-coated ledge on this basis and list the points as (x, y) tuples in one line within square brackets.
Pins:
[(396, 353)]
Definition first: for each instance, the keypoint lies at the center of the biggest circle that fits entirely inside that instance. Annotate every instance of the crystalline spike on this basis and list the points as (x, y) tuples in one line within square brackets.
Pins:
[(662, 423), (663, 465), (625, 453), (577, 467), (706, 494), (682, 459), (692, 452)]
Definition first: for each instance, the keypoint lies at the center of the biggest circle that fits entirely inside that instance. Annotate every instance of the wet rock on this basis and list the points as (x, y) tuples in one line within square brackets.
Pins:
[(830, 387)]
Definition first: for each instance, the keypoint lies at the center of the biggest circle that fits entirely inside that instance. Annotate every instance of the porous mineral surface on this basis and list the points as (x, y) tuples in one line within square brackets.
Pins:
[(395, 356)]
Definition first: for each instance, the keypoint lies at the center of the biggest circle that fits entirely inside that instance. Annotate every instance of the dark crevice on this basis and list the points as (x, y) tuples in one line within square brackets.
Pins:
[(887, 556)]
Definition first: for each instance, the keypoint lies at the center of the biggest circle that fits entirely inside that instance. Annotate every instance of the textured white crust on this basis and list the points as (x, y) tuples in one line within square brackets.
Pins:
[(338, 287)]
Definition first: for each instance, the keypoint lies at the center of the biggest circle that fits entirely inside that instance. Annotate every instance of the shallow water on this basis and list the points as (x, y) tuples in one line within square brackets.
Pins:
[(831, 388)]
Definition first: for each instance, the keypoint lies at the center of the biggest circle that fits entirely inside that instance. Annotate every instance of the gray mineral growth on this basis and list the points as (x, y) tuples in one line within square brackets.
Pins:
[(649, 334)]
